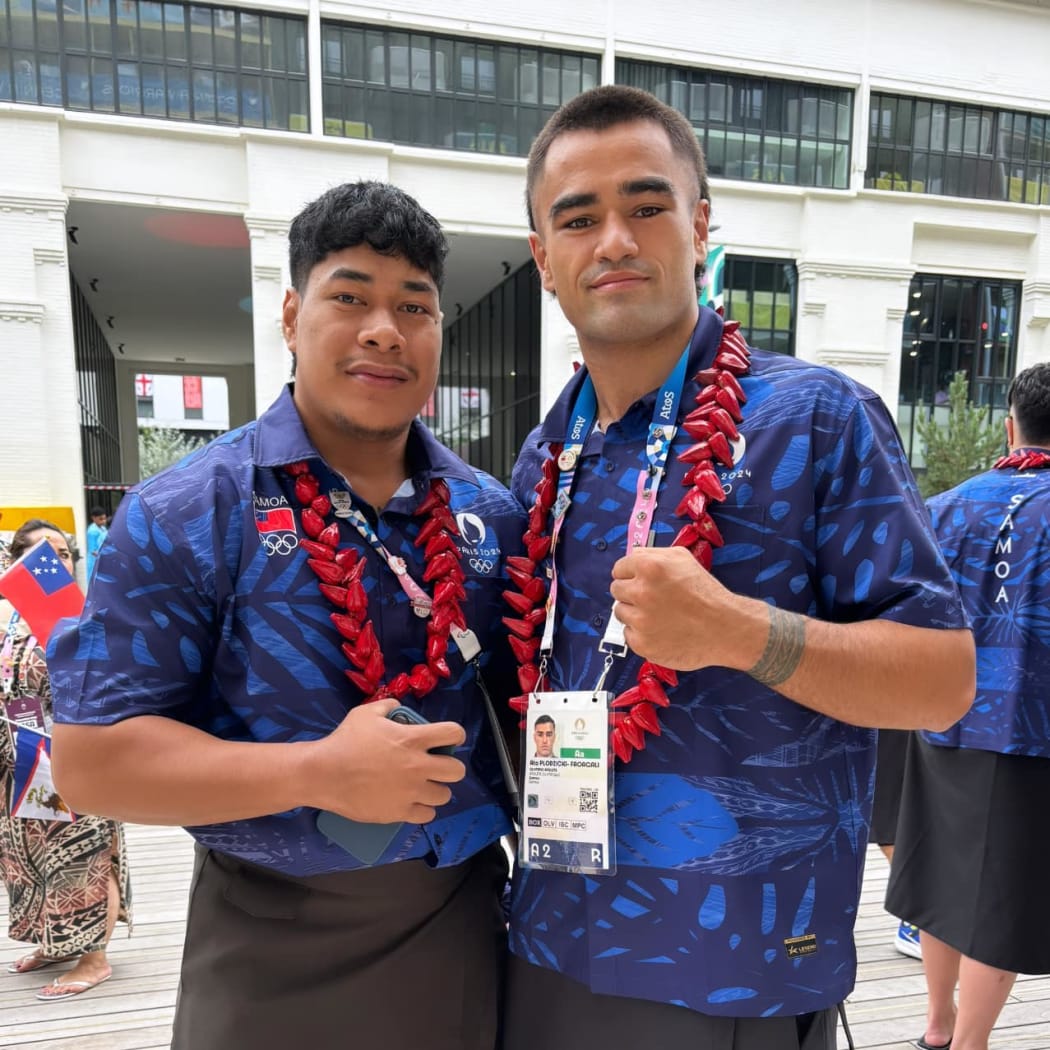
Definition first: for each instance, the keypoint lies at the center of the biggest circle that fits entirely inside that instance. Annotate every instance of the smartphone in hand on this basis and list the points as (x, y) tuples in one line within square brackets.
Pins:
[(407, 717), (363, 841)]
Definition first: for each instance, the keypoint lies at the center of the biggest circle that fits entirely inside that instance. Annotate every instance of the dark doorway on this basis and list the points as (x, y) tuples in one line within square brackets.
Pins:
[(487, 398)]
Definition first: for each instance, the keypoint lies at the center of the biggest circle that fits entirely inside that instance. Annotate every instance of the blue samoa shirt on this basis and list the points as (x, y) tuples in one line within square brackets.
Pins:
[(741, 830), (995, 533), (203, 609)]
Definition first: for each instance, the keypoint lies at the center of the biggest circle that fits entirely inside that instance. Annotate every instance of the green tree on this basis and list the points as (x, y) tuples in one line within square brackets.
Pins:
[(159, 447), (968, 444)]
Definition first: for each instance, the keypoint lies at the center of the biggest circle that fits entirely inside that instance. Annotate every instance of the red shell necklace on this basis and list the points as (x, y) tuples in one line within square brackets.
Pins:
[(1023, 460), (339, 575), (712, 425)]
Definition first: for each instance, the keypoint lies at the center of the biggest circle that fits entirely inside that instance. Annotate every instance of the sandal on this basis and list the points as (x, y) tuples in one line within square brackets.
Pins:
[(33, 961), (67, 989)]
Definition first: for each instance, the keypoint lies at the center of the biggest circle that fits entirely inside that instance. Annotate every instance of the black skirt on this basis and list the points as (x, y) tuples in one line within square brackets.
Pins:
[(972, 854), (549, 1011), (889, 780), (397, 957)]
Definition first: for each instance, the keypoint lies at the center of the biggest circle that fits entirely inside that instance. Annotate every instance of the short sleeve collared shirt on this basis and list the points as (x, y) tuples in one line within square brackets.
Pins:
[(995, 535), (741, 829), (203, 609)]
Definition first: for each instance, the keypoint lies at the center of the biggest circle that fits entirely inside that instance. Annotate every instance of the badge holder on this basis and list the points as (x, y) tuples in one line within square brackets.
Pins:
[(567, 799)]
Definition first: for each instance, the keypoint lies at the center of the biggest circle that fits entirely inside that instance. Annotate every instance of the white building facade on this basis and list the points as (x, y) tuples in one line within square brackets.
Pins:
[(881, 187)]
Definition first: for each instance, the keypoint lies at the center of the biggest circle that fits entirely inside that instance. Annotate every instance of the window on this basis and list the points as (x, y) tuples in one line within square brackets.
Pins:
[(761, 295), (959, 150), (175, 61), (756, 128), (444, 92), (955, 324)]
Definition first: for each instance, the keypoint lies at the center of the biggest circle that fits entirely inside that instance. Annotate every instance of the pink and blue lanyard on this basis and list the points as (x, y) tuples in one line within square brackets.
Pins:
[(662, 430)]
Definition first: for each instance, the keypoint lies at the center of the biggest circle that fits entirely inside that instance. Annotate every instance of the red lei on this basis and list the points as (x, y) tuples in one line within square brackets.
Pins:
[(712, 425), (1024, 460), (339, 574)]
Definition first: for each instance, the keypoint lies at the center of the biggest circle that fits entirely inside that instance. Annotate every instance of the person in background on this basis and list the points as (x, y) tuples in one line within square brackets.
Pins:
[(96, 536), (779, 591), (972, 853), (68, 883), (258, 612), (885, 810)]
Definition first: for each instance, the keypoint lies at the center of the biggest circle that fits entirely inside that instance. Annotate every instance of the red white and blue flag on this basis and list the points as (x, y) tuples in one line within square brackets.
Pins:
[(280, 519), (42, 589), (33, 795)]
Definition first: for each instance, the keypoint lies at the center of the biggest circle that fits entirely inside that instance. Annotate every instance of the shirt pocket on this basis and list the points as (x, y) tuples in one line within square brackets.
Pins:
[(740, 564)]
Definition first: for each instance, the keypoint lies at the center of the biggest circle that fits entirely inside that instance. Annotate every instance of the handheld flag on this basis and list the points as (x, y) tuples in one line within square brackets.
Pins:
[(33, 795), (42, 589)]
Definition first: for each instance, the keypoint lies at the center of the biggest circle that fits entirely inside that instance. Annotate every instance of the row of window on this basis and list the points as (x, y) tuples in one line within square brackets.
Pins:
[(440, 91), (249, 68), (213, 65), (957, 149), (757, 128)]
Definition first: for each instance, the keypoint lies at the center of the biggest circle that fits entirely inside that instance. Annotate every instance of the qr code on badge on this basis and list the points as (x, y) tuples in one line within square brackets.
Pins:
[(588, 800)]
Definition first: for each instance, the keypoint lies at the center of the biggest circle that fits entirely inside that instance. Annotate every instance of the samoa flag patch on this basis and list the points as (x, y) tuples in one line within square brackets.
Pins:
[(276, 526)]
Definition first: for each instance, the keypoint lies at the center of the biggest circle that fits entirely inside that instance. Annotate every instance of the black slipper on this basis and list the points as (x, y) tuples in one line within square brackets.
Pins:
[(923, 1045)]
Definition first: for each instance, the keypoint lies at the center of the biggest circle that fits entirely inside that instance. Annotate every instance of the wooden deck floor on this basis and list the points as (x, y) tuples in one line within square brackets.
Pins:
[(133, 1010)]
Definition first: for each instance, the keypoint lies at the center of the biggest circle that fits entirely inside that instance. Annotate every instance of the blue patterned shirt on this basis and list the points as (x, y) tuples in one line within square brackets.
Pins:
[(740, 831), (995, 533), (203, 609)]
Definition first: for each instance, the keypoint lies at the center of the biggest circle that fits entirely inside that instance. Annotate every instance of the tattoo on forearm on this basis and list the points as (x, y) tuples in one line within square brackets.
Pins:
[(787, 640)]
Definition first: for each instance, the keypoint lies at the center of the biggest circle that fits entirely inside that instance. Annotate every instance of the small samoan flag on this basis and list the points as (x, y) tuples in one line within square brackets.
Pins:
[(42, 589), (280, 519), (33, 792)]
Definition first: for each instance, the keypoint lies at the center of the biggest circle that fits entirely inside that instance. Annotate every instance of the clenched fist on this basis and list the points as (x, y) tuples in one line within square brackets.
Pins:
[(675, 613)]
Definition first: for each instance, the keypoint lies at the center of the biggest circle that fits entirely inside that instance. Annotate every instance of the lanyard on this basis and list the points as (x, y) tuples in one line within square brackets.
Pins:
[(466, 640), (662, 429), (416, 595)]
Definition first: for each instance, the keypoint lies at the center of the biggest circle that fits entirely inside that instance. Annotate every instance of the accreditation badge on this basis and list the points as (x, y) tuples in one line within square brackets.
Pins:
[(567, 797)]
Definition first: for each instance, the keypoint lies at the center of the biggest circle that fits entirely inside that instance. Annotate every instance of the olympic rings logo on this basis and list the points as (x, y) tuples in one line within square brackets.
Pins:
[(278, 542), (482, 565)]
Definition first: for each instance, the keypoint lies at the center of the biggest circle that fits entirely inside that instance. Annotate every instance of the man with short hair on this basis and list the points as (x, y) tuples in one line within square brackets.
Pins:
[(741, 558), (970, 863), (543, 732), (260, 609)]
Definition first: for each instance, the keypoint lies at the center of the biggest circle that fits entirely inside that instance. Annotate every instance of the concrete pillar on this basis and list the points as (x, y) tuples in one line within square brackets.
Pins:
[(40, 457), (270, 279), (560, 349), (850, 317)]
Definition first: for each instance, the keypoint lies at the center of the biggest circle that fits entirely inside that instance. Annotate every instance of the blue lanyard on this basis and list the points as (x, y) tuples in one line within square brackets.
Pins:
[(662, 429)]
